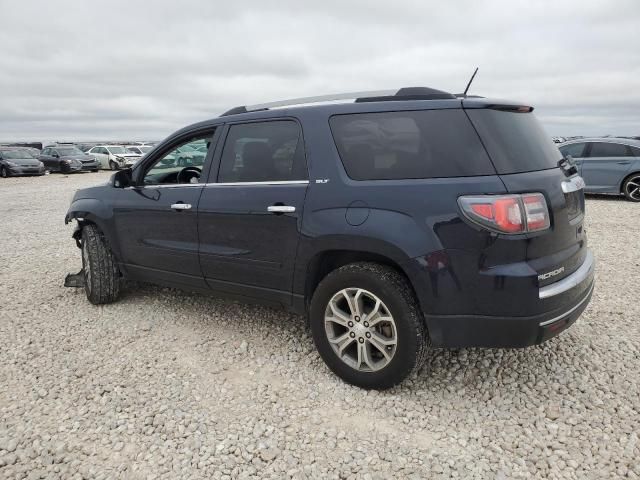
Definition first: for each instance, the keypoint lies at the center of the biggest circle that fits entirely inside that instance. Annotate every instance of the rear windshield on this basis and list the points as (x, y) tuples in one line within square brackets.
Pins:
[(516, 142), (409, 144)]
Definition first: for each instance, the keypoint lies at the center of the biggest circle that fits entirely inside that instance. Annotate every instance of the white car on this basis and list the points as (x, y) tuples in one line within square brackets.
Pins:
[(139, 149), (114, 157)]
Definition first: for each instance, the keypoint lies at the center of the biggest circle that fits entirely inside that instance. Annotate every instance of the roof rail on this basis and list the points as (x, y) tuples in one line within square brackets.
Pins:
[(411, 93)]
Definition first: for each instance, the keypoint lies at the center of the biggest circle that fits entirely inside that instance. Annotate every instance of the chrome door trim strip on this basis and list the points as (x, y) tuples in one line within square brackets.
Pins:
[(249, 184), (224, 184)]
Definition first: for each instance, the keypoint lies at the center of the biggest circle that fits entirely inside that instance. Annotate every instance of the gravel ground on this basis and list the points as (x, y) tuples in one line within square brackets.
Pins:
[(165, 384)]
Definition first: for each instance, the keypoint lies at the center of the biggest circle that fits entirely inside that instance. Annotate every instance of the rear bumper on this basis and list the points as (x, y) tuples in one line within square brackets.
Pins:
[(505, 332), (569, 297)]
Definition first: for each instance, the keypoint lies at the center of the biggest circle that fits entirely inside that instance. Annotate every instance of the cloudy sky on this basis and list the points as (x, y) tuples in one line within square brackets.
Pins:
[(133, 69)]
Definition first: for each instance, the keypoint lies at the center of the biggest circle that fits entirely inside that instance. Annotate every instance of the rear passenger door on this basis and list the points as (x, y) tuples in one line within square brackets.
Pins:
[(605, 166), (250, 213)]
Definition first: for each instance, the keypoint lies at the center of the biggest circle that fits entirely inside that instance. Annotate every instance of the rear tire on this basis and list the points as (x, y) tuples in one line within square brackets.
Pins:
[(101, 275), (631, 188), (403, 336)]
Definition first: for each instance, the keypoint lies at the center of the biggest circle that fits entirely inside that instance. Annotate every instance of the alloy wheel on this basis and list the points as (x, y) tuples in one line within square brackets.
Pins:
[(3, 172), (632, 188), (360, 329)]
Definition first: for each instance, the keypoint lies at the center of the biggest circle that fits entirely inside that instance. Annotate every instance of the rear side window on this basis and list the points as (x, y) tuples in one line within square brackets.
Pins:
[(263, 152), (409, 144), (576, 150), (605, 149), (516, 141), (635, 151)]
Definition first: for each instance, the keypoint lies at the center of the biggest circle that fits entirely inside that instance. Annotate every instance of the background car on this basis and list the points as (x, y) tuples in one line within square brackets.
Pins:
[(19, 161), (139, 149), (607, 164), (114, 157), (67, 159)]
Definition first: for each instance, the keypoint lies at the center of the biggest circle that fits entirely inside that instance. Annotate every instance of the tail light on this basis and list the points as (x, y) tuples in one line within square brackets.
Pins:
[(512, 214)]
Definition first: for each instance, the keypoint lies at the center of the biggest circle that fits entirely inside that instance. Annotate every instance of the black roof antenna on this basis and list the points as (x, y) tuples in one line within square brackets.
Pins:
[(470, 80)]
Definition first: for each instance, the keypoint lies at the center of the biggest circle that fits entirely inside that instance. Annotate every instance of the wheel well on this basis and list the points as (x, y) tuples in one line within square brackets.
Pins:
[(627, 178), (326, 262)]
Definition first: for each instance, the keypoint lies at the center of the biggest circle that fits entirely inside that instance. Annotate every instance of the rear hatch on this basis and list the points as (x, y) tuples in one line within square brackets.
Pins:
[(527, 161)]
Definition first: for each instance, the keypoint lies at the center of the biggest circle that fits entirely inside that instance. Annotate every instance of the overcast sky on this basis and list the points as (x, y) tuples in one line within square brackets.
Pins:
[(140, 70)]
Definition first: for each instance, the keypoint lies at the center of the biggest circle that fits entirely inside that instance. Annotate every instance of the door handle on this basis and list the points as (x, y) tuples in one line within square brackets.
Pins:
[(624, 162), (281, 209), (181, 206)]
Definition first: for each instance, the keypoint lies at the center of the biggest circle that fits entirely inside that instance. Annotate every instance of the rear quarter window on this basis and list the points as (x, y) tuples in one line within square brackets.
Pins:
[(516, 141), (409, 144)]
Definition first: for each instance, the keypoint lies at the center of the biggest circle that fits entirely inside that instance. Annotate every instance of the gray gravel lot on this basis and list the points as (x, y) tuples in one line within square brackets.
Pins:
[(165, 384)]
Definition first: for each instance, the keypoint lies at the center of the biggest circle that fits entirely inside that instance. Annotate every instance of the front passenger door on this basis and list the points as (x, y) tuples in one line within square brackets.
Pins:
[(156, 219), (249, 220), (46, 158)]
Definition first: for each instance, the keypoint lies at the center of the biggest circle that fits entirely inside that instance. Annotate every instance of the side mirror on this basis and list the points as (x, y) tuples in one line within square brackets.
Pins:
[(122, 178)]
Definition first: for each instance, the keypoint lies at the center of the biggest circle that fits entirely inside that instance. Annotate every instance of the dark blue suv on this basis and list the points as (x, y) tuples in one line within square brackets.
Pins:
[(397, 222)]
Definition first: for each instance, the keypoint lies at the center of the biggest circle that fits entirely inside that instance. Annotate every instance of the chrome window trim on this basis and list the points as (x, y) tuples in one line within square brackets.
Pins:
[(568, 312), (275, 182), (224, 184), (573, 280)]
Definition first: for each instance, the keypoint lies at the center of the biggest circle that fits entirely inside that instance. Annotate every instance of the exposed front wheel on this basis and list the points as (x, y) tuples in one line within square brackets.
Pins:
[(4, 173), (631, 188), (367, 325), (101, 275), (113, 165)]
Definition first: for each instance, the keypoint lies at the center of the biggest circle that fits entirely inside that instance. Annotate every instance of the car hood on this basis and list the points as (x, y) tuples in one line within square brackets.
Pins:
[(24, 162)]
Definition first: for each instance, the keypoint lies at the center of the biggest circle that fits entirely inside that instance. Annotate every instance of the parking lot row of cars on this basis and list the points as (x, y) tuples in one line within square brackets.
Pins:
[(69, 158), (609, 165)]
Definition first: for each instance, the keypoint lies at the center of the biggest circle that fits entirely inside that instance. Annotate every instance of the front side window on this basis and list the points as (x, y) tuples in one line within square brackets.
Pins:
[(183, 164), (263, 152), (409, 144), (576, 150), (67, 151), (605, 149)]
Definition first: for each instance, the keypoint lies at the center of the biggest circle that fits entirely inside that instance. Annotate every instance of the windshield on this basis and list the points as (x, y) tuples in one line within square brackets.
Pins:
[(117, 150), (65, 152), (15, 154)]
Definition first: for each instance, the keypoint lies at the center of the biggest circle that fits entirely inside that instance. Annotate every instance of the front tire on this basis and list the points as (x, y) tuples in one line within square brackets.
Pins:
[(113, 165), (631, 188), (4, 173), (101, 275), (367, 325)]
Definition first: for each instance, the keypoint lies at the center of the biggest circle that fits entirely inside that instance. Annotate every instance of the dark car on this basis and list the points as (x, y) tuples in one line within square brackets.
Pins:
[(68, 159), (608, 165), (19, 161), (400, 222)]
